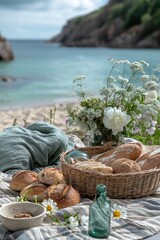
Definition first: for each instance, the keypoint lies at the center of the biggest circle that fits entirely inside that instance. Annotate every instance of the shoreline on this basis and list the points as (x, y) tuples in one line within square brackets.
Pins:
[(36, 104), (55, 112)]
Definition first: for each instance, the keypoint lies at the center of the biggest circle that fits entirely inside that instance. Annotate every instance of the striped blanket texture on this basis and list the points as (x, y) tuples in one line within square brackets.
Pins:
[(143, 219)]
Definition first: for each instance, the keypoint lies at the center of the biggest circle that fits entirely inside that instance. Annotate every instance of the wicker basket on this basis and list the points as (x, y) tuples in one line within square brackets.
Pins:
[(126, 185)]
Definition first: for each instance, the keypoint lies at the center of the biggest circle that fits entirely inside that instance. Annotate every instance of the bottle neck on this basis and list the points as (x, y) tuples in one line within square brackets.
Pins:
[(101, 195), (102, 202)]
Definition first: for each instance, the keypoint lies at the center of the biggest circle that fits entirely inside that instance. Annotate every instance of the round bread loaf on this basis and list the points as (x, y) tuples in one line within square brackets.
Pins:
[(64, 195), (128, 150), (22, 179), (32, 190), (124, 165), (51, 176)]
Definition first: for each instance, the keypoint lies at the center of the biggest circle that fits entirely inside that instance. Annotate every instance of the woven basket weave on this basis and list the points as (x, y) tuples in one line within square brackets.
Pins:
[(126, 185)]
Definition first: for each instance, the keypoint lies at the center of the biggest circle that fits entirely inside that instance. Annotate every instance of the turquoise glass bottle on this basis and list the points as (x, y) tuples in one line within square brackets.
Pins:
[(100, 214)]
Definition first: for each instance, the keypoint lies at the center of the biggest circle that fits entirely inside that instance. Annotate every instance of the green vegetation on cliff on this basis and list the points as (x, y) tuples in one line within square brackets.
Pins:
[(121, 23)]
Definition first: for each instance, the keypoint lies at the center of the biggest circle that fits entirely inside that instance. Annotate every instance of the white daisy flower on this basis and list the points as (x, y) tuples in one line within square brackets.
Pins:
[(118, 211), (50, 205)]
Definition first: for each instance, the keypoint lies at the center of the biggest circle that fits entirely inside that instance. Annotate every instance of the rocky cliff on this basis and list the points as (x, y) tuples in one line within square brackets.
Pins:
[(6, 52), (119, 24)]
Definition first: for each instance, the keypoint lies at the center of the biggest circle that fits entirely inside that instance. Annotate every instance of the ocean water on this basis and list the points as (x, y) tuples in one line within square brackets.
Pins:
[(43, 73)]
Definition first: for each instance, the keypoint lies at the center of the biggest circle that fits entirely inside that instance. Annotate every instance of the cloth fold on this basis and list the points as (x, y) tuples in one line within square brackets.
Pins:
[(38, 145)]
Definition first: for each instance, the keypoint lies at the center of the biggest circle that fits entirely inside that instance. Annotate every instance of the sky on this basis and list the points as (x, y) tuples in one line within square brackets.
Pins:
[(41, 19)]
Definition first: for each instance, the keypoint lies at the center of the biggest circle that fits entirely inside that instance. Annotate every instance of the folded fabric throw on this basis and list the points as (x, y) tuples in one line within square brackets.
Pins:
[(38, 145)]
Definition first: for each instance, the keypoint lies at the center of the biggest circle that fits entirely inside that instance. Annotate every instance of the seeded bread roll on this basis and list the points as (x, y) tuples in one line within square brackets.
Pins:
[(129, 150), (34, 189), (93, 166), (51, 176), (124, 165), (22, 179), (64, 195)]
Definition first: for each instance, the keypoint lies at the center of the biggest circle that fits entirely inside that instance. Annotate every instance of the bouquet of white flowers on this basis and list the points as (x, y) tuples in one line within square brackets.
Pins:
[(127, 105)]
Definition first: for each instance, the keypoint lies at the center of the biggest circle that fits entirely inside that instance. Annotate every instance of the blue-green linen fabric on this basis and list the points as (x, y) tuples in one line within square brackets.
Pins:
[(38, 145)]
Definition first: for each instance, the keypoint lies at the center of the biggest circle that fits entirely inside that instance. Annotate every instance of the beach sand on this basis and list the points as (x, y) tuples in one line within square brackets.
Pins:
[(33, 114)]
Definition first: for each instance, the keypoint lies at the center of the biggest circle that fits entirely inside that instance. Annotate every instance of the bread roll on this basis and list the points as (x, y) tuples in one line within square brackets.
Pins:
[(51, 176), (64, 195), (33, 189), (129, 150), (150, 160), (149, 155), (93, 166), (124, 165), (22, 179)]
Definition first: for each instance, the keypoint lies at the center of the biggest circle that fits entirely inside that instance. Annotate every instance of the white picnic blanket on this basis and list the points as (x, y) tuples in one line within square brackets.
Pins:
[(143, 219)]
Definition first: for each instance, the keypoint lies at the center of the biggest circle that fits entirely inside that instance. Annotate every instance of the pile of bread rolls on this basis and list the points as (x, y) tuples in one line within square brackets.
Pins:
[(48, 183), (125, 158)]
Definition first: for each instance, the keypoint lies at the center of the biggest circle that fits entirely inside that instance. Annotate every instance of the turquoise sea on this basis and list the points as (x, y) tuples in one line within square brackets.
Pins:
[(43, 73)]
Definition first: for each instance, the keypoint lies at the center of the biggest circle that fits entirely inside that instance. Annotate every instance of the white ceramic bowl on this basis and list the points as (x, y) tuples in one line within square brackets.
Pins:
[(8, 211)]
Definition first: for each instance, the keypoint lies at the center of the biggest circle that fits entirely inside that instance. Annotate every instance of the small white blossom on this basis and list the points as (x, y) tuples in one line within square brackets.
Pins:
[(153, 78), (122, 80), (136, 130), (126, 61), (130, 87), (147, 124), (125, 80), (145, 77), (150, 85), (120, 61), (84, 220), (71, 219), (144, 63), (114, 88), (151, 130), (122, 92), (106, 92), (156, 104), (153, 123), (150, 96), (111, 79), (79, 77), (136, 66), (73, 222)]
